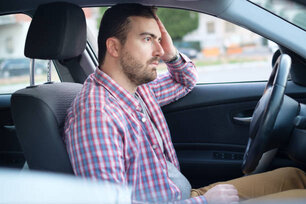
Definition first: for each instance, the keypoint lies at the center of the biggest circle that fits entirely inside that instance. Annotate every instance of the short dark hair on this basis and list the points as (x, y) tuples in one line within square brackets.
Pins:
[(115, 23)]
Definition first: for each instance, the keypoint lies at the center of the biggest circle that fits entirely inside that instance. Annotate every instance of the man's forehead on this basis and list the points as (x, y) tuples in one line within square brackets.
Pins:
[(143, 24)]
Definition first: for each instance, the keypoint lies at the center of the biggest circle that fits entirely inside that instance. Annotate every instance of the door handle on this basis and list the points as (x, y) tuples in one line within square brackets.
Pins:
[(242, 120)]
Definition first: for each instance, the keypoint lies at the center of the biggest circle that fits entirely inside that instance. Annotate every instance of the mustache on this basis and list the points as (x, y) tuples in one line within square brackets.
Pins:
[(153, 59)]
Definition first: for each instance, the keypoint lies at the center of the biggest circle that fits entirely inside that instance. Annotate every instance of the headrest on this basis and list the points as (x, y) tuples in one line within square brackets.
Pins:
[(57, 31)]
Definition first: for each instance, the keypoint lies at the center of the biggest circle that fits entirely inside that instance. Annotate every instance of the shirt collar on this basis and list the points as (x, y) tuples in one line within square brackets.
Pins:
[(125, 98)]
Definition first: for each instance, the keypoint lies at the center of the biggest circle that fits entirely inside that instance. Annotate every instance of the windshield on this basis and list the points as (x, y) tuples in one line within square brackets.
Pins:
[(292, 11)]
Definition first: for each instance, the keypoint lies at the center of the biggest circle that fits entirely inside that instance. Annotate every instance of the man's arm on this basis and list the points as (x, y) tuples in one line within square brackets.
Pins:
[(182, 75), (178, 82), (95, 147)]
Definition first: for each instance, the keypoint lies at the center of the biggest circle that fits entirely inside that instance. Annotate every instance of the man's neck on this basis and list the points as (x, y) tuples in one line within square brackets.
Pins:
[(118, 76)]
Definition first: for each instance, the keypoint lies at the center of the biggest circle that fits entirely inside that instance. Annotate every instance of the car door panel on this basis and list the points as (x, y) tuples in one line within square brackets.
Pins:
[(208, 140)]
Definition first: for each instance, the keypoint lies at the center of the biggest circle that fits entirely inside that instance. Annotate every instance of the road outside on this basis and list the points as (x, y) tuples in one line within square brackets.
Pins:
[(12, 84), (247, 71)]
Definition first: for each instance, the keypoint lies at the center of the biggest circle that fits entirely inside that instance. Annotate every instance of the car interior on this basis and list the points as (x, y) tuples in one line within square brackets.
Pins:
[(220, 131), (49, 102)]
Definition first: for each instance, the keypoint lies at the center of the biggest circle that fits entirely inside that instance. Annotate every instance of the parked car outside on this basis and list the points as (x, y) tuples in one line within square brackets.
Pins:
[(189, 52), (19, 67)]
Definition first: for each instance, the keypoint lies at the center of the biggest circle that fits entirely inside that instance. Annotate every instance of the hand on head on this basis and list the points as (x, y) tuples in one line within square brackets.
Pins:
[(222, 194), (166, 42)]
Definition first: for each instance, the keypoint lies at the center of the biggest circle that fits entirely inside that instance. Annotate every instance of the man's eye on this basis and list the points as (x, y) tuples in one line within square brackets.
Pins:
[(147, 39)]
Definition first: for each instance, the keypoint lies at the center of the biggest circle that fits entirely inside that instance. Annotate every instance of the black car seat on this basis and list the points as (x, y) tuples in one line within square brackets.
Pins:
[(57, 32)]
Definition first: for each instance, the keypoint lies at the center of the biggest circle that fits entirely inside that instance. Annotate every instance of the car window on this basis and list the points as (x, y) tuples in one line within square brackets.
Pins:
[(14, 66), (229, 53), (292, 11), (222, 51)]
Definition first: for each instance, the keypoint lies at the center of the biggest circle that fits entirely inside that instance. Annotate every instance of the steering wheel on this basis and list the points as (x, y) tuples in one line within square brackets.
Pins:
[(261, 138)]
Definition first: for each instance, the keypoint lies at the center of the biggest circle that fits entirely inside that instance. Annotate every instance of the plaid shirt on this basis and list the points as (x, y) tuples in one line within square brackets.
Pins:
[(108, 137)]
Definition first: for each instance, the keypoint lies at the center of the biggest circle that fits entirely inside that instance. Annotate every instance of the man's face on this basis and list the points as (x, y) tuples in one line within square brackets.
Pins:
[(141, 52)]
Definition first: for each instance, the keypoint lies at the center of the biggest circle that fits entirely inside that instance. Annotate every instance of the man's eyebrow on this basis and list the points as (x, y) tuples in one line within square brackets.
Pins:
[(151, 34)]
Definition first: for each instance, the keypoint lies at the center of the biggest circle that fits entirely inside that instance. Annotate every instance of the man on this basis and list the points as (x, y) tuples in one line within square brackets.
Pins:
[(115, 130)]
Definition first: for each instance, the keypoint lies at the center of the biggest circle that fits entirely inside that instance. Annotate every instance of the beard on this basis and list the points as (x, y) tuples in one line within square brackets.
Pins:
[(137, 72)]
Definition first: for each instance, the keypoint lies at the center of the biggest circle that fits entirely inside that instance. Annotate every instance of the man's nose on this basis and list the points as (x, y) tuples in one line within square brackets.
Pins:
[(158, 49)]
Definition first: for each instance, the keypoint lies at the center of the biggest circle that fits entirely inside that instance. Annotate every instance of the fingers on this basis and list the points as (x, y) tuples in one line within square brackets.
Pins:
[(160, 24), (166, 42), (229, 187), (222, 193), (234, 198), (226, 185)]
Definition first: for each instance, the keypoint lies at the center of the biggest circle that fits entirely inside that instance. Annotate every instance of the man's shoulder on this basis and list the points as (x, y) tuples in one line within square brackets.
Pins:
[(92, 96)]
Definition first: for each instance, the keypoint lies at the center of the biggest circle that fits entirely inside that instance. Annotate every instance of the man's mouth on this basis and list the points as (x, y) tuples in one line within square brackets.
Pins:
[(154, 63)]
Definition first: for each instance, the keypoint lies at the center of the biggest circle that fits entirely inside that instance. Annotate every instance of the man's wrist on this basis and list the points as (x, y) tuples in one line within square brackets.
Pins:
[(174, 58)]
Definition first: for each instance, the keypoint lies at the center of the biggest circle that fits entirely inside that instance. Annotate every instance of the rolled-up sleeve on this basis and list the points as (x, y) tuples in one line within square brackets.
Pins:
[(177, 82)]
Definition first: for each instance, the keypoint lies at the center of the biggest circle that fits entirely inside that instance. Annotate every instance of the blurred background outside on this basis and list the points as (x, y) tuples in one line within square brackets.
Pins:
[(222, 51)]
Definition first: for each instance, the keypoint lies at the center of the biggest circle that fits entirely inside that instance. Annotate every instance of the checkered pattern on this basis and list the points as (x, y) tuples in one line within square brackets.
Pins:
[(108, 138)]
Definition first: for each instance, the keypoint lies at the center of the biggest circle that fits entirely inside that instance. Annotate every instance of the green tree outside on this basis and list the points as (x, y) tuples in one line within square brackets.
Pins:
[(102, 11), (178, 22)]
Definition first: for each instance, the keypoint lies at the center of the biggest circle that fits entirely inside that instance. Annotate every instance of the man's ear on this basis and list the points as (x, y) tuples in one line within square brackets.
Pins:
[(113, 46)]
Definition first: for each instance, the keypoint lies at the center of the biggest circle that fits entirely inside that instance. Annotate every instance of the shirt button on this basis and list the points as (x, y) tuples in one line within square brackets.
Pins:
[(143, 120)]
